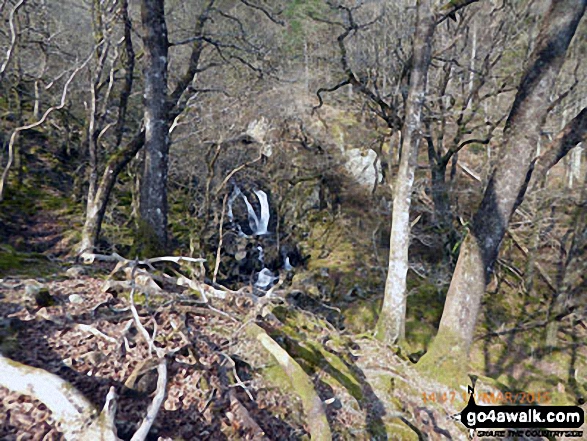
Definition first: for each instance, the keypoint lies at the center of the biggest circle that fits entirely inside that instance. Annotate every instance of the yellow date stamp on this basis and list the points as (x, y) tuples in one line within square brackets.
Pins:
[(488, 397)]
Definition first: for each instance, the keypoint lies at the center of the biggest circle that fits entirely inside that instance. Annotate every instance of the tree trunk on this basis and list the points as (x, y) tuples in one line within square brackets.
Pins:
[(119, 161), (153, 207), (95, 210), (480, 248), (391, 323)]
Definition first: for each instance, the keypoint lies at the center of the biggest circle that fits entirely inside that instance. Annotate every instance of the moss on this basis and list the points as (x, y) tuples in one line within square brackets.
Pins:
[(13, 262), (299, 381), (147, 242), (277, 377), (445, 362), (361, 316), (9, 258)]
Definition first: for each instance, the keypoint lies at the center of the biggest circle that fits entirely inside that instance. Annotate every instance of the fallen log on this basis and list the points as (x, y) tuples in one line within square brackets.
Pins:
[(312, 404), (71, 411)]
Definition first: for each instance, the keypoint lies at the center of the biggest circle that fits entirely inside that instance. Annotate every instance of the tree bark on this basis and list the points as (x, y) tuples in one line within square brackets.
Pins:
[(480, 248), (391, 323), (153, 205), (99, 193), (95, 210), (120, 160)]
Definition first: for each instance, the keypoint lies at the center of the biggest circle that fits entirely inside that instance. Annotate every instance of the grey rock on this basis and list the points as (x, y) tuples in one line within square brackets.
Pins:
[(75, 271), (76, 299)]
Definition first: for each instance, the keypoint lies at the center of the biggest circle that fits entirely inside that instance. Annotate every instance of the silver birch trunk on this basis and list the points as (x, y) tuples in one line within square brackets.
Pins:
[(391, 323)]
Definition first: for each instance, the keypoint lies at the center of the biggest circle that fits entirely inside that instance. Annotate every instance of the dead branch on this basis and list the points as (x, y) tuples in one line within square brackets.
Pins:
[(239, 382), (153, 410), (71, 410), (103, 427), (240, 412), (217, 263), (95, 332), (237, 169)]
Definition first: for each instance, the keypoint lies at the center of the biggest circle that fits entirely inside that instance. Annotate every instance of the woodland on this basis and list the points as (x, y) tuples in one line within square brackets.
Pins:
[(289, 219)]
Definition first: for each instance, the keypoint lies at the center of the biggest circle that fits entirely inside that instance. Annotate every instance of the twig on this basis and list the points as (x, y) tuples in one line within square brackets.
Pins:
[(137, 319), (239, 382), (96, 332), (217, 263), (153, 410), (236, 170)]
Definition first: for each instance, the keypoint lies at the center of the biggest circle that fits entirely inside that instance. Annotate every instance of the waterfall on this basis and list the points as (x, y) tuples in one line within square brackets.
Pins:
[(261, 255), (263, 222), (258, 224), (265, 278), (286, 264)]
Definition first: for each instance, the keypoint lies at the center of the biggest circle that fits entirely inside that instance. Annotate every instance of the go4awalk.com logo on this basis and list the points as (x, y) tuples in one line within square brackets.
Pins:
[(520, 421)]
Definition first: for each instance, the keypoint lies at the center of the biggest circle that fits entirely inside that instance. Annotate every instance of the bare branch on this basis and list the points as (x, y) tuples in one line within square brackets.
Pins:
[(328, 89), (50, 110), (449, 10), (10, 50), (264, 11)]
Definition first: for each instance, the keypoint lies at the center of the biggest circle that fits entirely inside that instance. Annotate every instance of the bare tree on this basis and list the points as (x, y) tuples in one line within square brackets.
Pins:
[(480, 248), (391, 324), (99, 189), (164, 108)]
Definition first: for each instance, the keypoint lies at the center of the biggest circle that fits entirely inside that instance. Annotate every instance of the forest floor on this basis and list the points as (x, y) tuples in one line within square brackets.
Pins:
[(58, 316), (85, 335)]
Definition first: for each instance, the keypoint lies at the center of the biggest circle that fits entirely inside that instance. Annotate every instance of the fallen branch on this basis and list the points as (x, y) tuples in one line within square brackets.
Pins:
[(95, 332), (242, 415), (217, 263), (70, 409), (153, 410), (103, 427), (89, 258)]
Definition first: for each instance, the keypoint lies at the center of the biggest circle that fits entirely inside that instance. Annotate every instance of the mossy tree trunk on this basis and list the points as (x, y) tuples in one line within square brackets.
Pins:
[(391, 324), (153, 204), (480, 248), (176, 105), (97, 208), (99, 192)]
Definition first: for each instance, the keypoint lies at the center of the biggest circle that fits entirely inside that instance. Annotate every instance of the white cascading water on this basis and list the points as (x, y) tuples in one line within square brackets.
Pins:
[(259, 226), (265, 278), (287, 265)]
